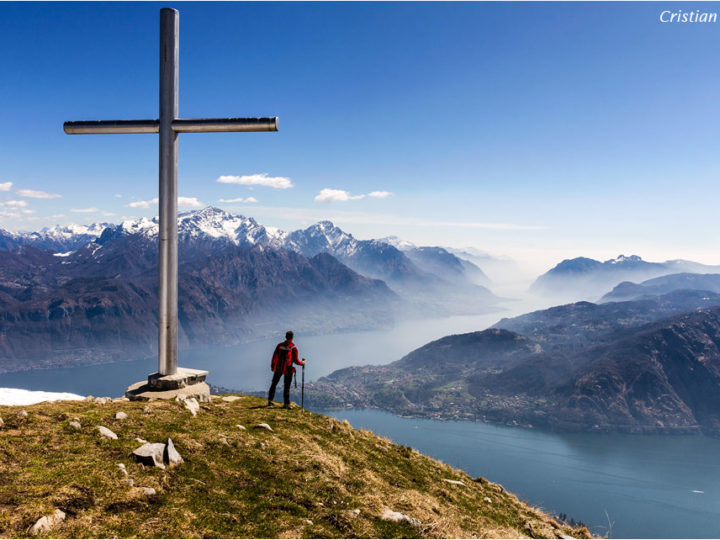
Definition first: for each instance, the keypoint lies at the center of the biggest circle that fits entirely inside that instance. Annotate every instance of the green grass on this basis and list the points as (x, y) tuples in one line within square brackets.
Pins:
[(303, 480)]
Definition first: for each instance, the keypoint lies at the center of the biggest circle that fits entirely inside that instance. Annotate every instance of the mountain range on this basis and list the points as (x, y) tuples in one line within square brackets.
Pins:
[(649, 365), (588, 279), (95, 301), (662, 285)]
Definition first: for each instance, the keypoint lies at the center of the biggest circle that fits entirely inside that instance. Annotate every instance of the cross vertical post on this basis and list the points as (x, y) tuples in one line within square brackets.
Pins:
[(167, 238)]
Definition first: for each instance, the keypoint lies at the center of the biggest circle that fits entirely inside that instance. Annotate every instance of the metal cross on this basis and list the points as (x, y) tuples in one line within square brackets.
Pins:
[(168, 126)]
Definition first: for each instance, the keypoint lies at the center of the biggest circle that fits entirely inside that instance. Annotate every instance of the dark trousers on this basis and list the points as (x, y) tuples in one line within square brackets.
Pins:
[(286, 388)]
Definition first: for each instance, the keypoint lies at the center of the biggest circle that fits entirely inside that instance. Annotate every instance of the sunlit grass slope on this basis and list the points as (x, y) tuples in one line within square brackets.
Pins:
[(312, 476)]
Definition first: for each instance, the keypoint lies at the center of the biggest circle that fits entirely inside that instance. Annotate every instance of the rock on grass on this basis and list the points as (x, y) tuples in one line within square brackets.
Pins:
[(151, 454), (171, 455), (105, 433), (46, 523), (391, 515)]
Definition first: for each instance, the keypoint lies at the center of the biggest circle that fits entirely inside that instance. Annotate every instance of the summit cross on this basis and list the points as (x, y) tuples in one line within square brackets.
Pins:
[(168, 126)]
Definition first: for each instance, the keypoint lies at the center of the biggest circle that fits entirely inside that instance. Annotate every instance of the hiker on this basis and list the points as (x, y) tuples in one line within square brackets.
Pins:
[(285, 355)]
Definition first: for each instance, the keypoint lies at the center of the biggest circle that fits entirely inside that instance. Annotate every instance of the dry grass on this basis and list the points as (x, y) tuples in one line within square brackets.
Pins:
[(308, 478)]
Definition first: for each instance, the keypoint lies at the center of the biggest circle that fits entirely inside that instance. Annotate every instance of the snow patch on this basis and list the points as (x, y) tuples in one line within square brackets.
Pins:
[(18, 396)]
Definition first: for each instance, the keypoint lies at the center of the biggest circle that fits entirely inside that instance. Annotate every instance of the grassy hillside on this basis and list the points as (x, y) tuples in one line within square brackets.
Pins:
[(312, 476)]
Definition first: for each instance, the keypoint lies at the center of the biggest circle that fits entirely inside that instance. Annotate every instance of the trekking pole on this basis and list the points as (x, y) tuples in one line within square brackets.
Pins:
[(302, 391)]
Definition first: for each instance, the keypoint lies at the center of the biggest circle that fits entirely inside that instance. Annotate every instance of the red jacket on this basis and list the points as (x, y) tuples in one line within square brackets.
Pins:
[(285, 355)]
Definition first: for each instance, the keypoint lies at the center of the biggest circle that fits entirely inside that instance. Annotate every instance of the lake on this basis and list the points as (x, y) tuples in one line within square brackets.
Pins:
[(651, 486), (247, 366), (646, 483)]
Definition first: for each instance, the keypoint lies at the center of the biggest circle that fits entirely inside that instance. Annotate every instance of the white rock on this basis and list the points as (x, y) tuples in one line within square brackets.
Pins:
[(101, 400), (141, 441), (192, 405), (171, 455), (454, 482), (129, 481), (398, 516), (120, 415), (147, 409), (239, 426), (23, 414), (308, 522), (263, 426), (106, 433), (1, 422), (151, 453), (230, 399), (46, 523), (147, 491), (488, 500), (74, 424), (122, 467)]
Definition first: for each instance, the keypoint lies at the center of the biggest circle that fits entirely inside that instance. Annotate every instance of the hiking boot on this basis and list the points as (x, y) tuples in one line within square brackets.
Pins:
[(270, 403), (286, 406)]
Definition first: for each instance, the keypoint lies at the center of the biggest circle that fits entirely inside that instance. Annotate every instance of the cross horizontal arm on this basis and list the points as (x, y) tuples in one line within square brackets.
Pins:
[(180, 125)]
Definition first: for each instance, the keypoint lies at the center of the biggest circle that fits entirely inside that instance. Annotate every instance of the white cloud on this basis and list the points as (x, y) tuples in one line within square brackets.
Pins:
[(262, 179), (239, 200), (187, 202), (13, 204), (332, 195), (5, 186), (84, 210), (26, 211), (379, 194), (118, 196), (190, 202), (34, 194), (143, 204), (108, 214)]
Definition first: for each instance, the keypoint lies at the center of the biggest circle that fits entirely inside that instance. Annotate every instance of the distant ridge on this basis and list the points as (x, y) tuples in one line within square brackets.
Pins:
[(588, 279)]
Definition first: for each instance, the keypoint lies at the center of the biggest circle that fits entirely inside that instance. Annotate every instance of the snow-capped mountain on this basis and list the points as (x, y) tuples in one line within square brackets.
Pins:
[(394, 241), (57, 238), (421, 273), (207, 225)]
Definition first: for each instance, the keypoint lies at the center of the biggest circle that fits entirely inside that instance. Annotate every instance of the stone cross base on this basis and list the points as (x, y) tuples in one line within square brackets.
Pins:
[(186, 382)]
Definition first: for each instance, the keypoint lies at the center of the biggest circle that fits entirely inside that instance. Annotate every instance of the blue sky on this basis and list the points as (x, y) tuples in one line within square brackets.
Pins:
[(536, 130)]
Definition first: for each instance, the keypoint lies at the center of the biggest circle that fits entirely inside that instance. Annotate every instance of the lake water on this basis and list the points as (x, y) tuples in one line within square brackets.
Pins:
[(648, 485), (247, 366), (645, 483)]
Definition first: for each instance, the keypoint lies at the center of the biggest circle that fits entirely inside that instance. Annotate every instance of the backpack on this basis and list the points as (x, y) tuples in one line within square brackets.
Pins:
[(284, 358)]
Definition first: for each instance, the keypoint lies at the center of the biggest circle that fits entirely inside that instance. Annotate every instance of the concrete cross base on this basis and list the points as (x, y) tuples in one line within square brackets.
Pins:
[(186, 382), (182, 378)]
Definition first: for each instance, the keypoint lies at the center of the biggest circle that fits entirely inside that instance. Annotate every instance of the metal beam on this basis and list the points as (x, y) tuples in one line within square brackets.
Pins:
[(111, 126), (168, 244), (209, 125), (179, 125)]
